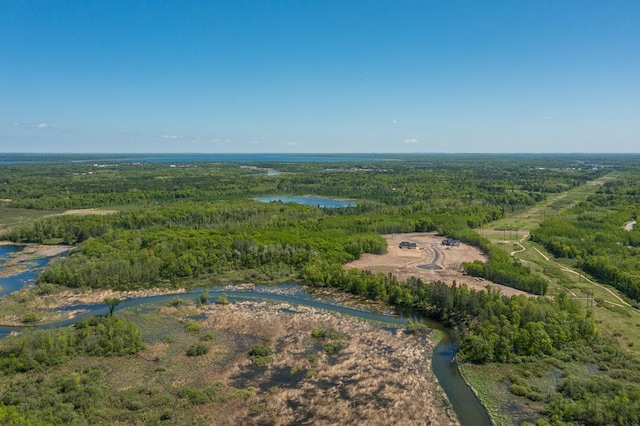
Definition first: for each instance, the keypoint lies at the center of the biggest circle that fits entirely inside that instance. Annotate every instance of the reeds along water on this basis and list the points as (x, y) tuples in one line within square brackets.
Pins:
[(464, 402)]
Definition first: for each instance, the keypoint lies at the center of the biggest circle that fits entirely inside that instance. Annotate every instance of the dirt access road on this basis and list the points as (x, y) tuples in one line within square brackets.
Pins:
[(430, 261)]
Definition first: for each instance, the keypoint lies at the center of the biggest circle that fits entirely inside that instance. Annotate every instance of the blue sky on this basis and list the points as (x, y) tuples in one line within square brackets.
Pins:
[(320, 76)]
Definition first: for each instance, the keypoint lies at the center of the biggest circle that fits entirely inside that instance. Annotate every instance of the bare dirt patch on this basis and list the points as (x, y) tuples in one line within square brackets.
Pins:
[(444, 263), (85, 212)]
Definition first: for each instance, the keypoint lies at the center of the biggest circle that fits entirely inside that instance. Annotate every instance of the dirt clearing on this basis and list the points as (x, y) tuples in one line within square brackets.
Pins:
[(85, 212), (429, 261)]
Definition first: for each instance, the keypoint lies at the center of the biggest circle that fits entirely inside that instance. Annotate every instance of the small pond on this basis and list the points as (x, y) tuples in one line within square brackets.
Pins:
[(310, 201)]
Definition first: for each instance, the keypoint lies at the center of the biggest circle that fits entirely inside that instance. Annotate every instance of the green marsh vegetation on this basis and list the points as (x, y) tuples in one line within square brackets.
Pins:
[(135, 367), (197, 225)]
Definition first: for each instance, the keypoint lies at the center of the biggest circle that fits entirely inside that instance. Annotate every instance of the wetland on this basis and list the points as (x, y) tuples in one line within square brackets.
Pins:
[(327, 379)]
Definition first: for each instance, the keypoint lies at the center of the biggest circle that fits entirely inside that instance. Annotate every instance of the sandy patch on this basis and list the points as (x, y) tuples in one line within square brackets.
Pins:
[(43, 250), (446, 261), (84, 212)]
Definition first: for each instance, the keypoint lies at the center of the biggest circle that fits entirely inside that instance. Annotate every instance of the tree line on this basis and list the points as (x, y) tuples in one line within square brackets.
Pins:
[(591, 235), (494, 328)]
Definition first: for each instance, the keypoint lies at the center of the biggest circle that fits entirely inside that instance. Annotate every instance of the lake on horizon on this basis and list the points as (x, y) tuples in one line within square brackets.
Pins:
[(309, 201), (188, 158)]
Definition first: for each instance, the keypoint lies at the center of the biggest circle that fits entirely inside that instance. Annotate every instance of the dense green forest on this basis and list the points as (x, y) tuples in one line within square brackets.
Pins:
[(492, 327), (443, 184), (199, 223), (177, 222)]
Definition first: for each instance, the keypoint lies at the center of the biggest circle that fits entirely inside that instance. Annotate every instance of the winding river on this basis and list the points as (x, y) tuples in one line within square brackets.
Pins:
[(463, 400)]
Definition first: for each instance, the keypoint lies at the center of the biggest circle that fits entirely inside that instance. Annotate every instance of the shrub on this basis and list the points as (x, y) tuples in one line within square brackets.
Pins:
[(214, 389), (261, 350), (332, 347), (207, 337), (29, 318), (244, 393), (320, 332), (415, 327), (109, 336), (43, 289), (259, 407), (192, 327), (194, 395), (197, 349), (526, 391), (176, 301), (261, 354), (326, 333)]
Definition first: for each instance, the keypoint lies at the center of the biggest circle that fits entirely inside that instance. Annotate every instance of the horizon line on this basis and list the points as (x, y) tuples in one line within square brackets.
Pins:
[(318, 153)]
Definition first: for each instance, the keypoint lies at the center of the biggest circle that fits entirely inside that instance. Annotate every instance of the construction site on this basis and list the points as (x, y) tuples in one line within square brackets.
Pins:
[(427, 256)]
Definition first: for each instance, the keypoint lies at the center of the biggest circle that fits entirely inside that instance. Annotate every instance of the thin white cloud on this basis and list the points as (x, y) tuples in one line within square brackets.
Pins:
[(43, 126), (548, 117), (16, 124), (291, 143), (254, 142), (410, 140), (394, 121), (165, 136)]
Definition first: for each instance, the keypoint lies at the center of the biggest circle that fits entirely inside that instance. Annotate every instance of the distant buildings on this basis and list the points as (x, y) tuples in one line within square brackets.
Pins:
[(408, 245), (450, 242)]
